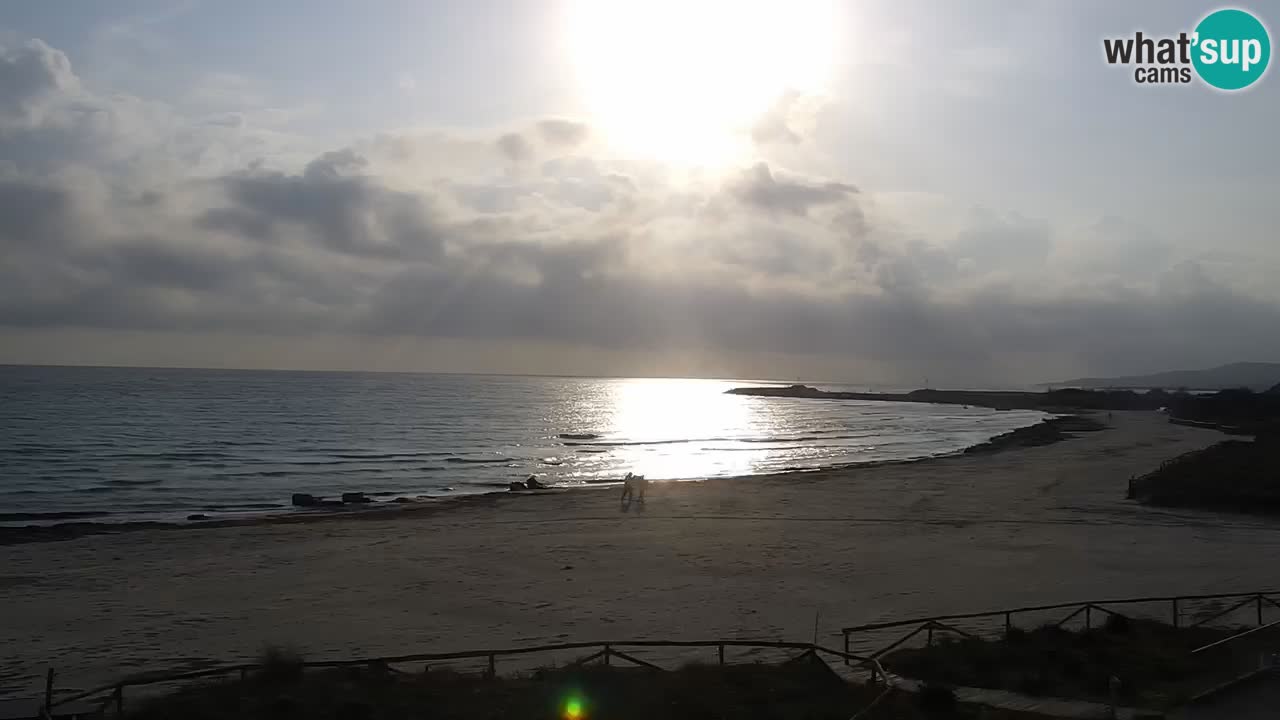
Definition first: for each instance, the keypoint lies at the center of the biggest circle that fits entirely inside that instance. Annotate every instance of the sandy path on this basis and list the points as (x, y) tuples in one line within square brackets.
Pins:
[(746, 558)]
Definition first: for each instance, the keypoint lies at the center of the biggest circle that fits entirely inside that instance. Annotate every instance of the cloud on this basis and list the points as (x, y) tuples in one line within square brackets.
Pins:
[(791, 120), (32, 214), (515, 148), (555, 135), (760, 187), (125, 215), (562, 133), (334, 203), (773, 126), (31, 75)]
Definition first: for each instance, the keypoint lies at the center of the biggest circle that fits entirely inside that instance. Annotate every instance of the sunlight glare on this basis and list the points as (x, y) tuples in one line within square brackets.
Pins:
[(669, 411), (682, 82)]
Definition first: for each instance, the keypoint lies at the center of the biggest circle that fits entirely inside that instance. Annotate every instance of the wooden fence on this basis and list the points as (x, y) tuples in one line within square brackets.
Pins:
[(112, 696), (1176, 606)]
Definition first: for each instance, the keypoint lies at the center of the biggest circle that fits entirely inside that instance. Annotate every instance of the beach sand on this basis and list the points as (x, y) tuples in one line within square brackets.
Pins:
[(744, 558)]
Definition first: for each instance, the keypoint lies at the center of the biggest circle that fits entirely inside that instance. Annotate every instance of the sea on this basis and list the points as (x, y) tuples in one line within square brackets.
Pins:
[(129, 444)]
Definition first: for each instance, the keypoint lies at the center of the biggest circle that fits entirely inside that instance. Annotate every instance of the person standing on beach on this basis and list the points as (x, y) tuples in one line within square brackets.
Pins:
[(629, 485)]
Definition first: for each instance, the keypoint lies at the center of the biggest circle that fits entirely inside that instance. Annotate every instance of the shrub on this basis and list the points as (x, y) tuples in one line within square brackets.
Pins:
[(937, 699), (279, 664)]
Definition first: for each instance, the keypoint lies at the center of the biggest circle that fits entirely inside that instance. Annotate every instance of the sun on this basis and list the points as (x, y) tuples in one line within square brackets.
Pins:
[(682, 81)]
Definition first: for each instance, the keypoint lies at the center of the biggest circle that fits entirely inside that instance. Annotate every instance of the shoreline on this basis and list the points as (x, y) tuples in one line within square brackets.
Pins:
[(1046, 431)]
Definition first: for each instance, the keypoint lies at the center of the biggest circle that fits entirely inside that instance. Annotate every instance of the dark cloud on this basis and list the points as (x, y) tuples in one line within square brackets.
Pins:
[(562, 133), (30, 74), (32, 214), (334, 203), (762, 188), (515, 148)]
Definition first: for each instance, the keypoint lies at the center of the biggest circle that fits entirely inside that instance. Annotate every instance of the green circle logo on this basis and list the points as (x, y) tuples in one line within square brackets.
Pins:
[(1232, 49)]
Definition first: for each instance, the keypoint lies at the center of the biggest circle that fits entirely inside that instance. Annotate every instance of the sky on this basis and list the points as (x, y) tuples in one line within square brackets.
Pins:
[(875, 192)]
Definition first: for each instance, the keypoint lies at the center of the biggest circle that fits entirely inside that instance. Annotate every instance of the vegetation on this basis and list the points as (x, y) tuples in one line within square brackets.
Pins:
[(1151, 660), (1248, 412), (1046, 433), (799, 689), (280, 664), (1236, 475)]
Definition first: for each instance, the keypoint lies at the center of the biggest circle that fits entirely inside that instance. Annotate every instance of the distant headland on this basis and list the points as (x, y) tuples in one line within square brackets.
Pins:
[(1241, 412), (1071, 399)]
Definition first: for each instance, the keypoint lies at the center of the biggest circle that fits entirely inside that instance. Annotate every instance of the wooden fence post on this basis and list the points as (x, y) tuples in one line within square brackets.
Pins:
[(930, 641), (1259, 613), (1088, 617), (720, 649), (48, 692), (1175, 612), (493, 670), (607, 652), (1008, 623), (119, 697)]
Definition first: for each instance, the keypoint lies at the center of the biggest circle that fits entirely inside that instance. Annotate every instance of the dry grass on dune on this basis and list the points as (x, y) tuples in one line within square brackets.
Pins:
[(1152, 661), (799, 689)]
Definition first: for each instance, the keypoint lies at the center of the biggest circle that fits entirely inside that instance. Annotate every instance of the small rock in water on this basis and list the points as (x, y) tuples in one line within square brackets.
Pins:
[(403, 500), (305, 500), (198, 516), (355, 497), (448, 489), (516, 486)]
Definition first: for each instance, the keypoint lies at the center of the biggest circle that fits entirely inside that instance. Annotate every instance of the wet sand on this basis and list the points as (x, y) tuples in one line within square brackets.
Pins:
[(747, 558)]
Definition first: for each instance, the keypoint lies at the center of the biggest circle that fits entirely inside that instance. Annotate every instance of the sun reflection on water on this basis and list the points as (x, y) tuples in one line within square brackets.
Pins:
[(669, 411)]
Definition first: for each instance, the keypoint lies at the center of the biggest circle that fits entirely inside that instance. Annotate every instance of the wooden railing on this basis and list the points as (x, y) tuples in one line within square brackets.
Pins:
[(112, 696), (1177, 606)]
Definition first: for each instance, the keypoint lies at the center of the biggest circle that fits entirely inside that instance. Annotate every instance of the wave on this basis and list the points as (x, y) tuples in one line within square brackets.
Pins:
[(242, 506), (392, 455), (479, 461), (368, 460), (623, 443), (123, 482), (59, 515), (168, 455), (756, 440), (578, 436)]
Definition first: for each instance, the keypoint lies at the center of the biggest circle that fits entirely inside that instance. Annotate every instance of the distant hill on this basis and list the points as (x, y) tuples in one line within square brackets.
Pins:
[(1253, 375)]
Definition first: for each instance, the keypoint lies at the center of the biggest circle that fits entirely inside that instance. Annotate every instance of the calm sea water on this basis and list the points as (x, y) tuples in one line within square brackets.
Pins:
[(160, 444)]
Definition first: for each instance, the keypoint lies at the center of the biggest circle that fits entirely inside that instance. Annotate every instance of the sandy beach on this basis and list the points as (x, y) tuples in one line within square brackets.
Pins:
[(747, 558)]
